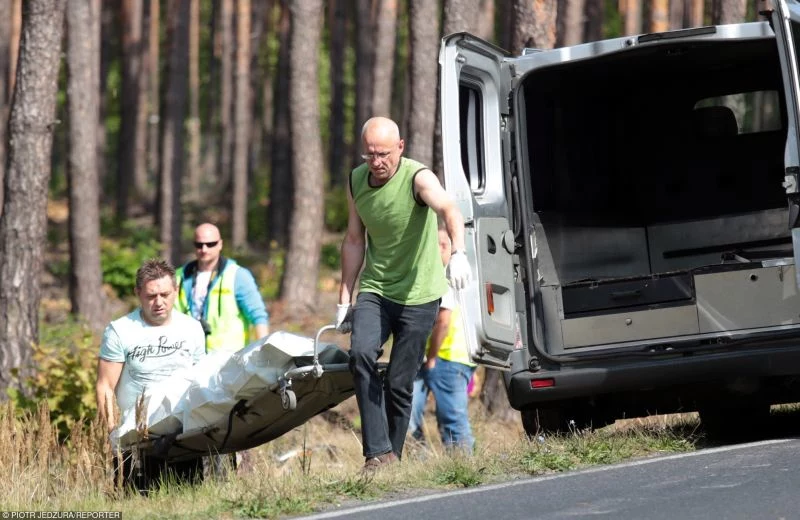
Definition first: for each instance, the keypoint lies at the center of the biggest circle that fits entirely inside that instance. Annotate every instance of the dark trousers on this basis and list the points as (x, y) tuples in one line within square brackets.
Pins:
[(385, 402)]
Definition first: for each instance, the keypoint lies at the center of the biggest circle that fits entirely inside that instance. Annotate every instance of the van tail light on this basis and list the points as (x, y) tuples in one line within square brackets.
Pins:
[(489, 299), (543, 383)]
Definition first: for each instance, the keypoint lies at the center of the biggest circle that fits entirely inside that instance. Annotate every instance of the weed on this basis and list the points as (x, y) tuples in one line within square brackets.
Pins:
[(64, 378), (545, 459), (121, 258), (358, 487), (461, 472), (272, 507)]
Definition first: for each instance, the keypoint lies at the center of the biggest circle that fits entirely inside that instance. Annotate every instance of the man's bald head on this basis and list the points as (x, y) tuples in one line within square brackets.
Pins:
[(206, 230), (380, 128), (383, 148), (207, 246)]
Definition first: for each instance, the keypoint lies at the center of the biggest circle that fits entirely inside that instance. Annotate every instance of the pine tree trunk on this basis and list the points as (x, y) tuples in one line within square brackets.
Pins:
[(504, 24), (16, 36), (460, 15), (385, 31), (534, 24), (211, 123), (732, 11), (6, 14), (494, 398), (23, 225), (86, 276), (486, 16), (365, 60), (573, 22), (153, 94), (108, 31), (595, 11), (226, 92), (676, 14), (131, 165), (172, 133), (633, 17), (242, 122), (338, 15), (424, 28), (193, 124), (695, 13), (280, 206), (659, 16), (299, 288), (261, 25)]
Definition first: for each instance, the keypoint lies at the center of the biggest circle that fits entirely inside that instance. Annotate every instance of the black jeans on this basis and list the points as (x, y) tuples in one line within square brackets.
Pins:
[(385, 403)]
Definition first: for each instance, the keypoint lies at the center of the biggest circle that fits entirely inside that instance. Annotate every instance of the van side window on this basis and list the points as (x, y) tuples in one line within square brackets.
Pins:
[(471, 116), (754, 111)]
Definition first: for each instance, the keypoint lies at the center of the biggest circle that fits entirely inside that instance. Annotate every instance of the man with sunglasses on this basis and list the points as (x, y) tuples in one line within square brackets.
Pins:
[(224, 297), (392, 230), (221, 294)]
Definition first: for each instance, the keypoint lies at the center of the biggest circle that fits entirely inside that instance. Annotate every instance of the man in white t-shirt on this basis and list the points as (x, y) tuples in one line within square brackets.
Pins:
[(143, 347)]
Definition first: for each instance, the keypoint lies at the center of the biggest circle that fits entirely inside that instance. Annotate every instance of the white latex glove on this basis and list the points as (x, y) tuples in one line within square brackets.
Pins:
[(344, 317), (459, 272)]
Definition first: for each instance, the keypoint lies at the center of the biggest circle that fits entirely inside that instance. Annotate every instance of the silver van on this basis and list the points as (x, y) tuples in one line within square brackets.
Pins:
[(633, 217)]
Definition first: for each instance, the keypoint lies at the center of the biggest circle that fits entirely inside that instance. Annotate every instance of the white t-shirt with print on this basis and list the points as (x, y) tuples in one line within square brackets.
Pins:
[(150, 353)]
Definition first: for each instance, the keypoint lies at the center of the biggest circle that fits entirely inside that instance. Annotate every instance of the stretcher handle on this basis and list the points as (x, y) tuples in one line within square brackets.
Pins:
[(323, 329)]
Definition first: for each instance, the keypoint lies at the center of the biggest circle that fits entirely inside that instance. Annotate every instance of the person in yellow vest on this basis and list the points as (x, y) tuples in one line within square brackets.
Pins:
[(221, 294), (446, 373), (393, 204)]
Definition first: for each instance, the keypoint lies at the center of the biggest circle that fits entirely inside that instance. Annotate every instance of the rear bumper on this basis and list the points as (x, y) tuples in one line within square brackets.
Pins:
[(614, 377)]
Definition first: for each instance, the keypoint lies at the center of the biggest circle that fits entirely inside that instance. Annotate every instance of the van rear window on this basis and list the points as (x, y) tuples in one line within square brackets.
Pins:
[(754, 112), (471, 108)]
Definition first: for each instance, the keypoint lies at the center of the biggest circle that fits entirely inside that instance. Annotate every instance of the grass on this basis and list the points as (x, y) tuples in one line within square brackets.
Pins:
[(312, 468)]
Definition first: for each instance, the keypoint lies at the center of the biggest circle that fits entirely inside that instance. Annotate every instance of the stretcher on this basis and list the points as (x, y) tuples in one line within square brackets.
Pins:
[(232, 402)]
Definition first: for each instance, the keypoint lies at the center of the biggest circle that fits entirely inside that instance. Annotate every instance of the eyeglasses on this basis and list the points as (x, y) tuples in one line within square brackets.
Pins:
[(376, 155), (199, 245)]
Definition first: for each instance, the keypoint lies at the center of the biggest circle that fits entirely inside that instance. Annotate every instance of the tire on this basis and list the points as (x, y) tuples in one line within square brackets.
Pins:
[(289, 400)]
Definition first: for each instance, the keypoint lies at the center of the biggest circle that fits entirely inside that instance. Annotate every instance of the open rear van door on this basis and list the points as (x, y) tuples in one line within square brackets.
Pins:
[(476, 135), (786, 23)]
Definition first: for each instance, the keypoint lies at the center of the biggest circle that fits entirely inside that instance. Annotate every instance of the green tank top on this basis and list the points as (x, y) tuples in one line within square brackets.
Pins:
[(403, 263)]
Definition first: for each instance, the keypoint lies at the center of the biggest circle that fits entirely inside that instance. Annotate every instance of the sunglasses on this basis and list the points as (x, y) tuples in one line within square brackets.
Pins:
[(199, 245)]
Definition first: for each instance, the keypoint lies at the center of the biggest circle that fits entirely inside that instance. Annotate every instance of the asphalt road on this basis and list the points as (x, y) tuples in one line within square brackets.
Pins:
[(759, 480)]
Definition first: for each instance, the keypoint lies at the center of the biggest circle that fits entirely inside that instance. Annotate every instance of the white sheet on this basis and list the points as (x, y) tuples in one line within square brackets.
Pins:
[(206, 392)]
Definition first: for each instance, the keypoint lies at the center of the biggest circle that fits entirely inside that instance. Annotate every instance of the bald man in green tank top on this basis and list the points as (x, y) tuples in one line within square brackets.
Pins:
[(393, 205)]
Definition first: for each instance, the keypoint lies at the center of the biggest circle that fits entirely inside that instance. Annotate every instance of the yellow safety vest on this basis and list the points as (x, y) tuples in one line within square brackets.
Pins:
[(454, 344), (229, 327)]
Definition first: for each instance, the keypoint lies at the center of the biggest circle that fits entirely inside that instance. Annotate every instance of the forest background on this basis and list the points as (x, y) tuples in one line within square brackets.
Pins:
[(123, 124)]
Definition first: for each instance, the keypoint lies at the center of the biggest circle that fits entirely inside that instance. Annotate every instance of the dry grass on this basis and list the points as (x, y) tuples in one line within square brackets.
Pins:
[(314, 467), (36, 470)]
